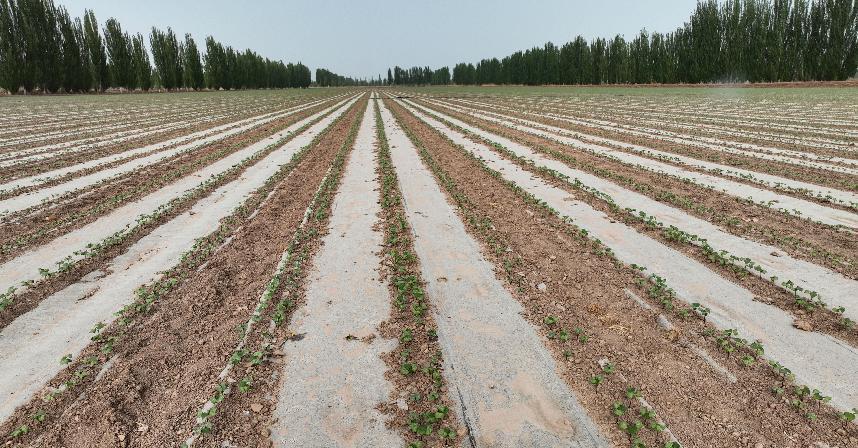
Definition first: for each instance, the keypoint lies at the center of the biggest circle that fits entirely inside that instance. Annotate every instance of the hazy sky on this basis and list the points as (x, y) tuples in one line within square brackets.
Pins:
[(363, 37)]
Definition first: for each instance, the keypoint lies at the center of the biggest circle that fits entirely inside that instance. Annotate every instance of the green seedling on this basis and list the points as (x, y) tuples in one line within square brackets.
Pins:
[(40, 416), (618, 409), (446, 433), (245, 384), (67, 359), (631, 428), (20, 431), (657, 427), (549, 320), (596, 380), (407, 369), (701, 310), (406, 336), (632, 393), (646, 413), (237, 356), (608, 368)]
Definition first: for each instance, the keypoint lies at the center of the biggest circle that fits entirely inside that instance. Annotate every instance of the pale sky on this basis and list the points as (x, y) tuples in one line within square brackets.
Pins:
[(364, 38)]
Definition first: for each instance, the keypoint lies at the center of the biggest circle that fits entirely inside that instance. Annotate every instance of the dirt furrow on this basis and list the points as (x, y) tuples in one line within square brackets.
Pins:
[(506, 388), (752, 168), (757, 259), (69, 167), (184, 326), (816, 359), (579, 294), (88, 241), (711, 175), (333, 377), (36, 197)]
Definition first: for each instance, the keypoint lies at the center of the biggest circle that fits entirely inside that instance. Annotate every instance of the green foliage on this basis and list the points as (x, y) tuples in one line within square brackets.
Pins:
[(120, 52), (43, 49), (226, 68), (733, 40)]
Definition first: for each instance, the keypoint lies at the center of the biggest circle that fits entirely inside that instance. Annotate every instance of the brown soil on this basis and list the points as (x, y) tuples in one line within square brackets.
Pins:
[(585, 290), (42, 224), (833, 248), (628, 117), (821, 320), (236, 111), (61, 161), (791, 171), (167, 367), (28, 300), (36, 167), (247, 417), (423, 391)]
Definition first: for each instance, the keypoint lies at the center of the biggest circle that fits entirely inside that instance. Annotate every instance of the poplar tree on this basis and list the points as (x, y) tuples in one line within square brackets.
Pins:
[(95, 49), (140, 61), (193, 68), (119, 51)]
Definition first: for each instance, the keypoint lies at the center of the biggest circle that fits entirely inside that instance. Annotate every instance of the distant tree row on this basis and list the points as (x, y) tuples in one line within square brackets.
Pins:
[(230, 69), (42, 48), (327, 78), (729, 41), (418, 76)]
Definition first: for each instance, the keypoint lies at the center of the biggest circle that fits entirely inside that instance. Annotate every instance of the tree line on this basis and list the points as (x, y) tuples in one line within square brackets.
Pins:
[(418, 76), (327, 78), (729, 41), (43, 49)]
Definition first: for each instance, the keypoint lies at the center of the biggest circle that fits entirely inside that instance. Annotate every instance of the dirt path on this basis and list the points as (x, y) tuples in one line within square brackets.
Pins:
[(507, 388), (333, 377)]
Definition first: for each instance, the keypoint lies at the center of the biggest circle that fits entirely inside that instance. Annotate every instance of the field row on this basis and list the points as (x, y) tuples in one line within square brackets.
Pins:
[(415, 268)]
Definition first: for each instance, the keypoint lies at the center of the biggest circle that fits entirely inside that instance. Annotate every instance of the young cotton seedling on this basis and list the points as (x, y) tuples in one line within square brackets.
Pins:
[(407, 369), (596, 380), (701, 310), (20, 431), (245, 384), (632, 393)]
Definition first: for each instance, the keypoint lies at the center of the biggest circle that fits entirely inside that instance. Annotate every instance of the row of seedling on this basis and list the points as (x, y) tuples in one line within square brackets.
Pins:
[(428, 421)]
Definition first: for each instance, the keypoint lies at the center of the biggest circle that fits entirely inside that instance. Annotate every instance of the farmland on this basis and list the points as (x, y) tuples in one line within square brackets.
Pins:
[(431, 266)]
